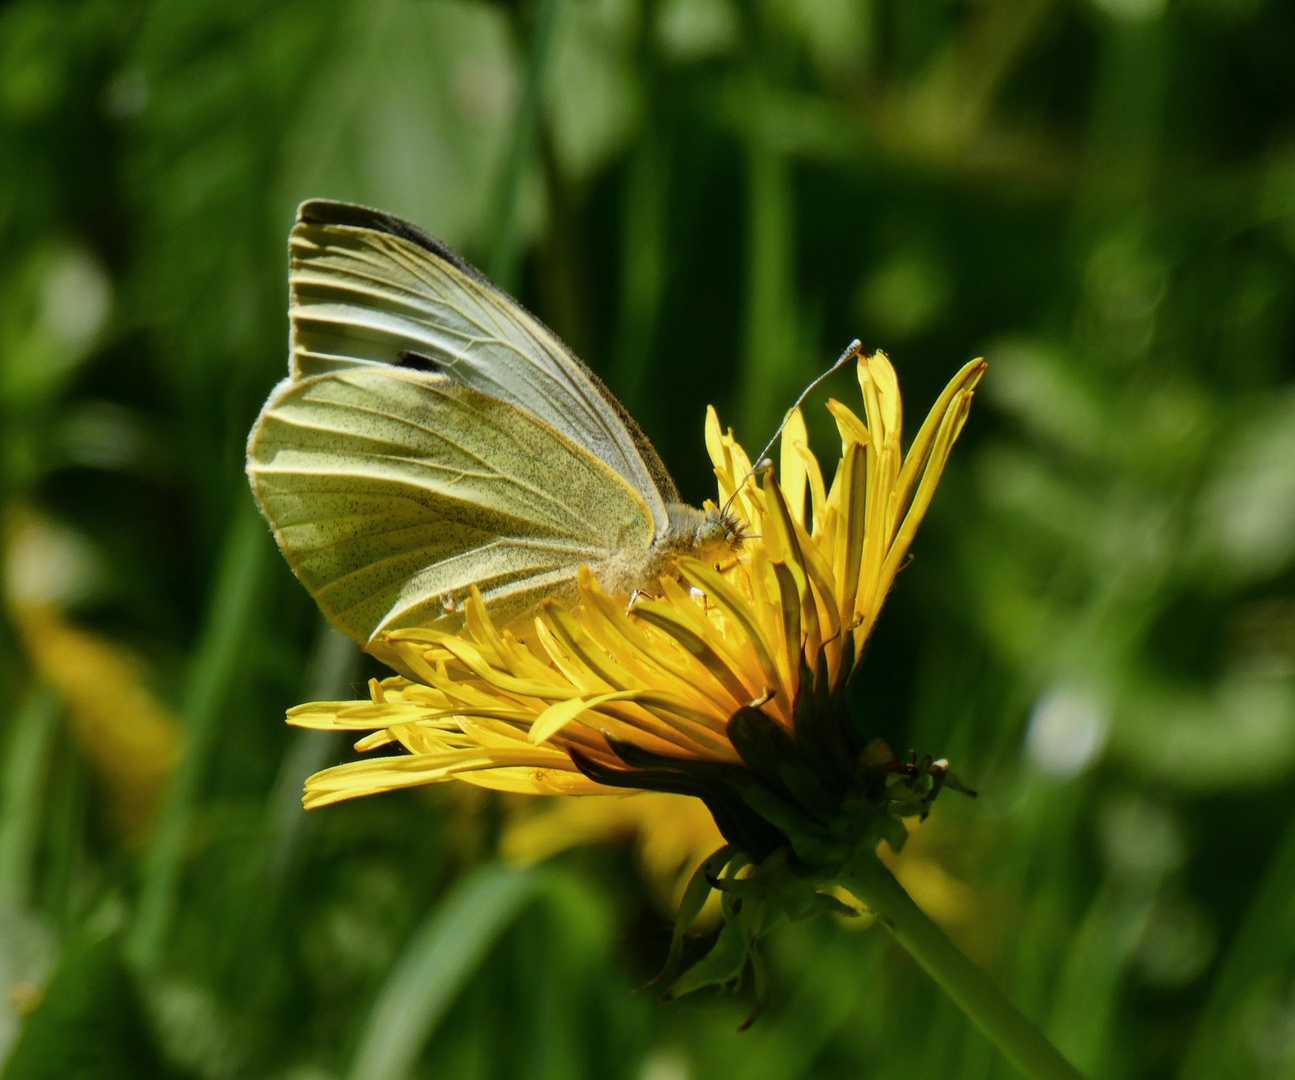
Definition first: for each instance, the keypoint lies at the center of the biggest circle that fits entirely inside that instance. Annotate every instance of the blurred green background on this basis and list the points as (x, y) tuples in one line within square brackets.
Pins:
[(708, 199)]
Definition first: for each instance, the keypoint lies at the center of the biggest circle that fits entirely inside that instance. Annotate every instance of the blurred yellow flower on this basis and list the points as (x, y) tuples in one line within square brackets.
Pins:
[(672, 836), (132, 740)]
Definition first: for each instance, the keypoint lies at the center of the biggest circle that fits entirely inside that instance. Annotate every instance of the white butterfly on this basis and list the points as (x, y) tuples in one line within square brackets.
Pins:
[(433, 435)]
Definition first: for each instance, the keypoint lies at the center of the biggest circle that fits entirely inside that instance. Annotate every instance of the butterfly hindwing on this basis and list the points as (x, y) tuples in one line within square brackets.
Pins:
[(391, 492)]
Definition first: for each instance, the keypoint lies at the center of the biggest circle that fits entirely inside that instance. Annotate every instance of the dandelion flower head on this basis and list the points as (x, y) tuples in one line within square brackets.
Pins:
[(726, 684)]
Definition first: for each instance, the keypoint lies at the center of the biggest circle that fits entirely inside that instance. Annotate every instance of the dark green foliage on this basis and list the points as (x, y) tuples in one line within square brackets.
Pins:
[(90, 1024)]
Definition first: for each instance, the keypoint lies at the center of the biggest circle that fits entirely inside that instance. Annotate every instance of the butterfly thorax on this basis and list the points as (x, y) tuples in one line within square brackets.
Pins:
[(711, 535)]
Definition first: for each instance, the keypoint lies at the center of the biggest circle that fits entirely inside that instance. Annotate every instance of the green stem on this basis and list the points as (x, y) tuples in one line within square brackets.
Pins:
[(969, 987)]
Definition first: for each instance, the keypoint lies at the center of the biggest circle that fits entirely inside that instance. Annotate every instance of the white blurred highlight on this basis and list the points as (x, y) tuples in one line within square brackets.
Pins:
[(665, 1063), (76, 298), (1067, 731)]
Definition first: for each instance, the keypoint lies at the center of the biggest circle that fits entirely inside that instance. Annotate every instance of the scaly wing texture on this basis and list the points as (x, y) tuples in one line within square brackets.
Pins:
[(369, 288), (391, 492)]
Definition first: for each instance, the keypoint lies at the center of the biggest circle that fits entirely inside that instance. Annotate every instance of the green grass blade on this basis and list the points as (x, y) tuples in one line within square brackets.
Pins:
[(769, 363), (439, 959), (26, 765), (503, 255), (90, 1024), (334, 669), (1223, 1044), (214, 669), (645, 229)]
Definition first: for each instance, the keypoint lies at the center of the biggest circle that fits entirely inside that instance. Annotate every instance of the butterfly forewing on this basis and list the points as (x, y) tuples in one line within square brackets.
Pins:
[(392, 492), (368, 288)]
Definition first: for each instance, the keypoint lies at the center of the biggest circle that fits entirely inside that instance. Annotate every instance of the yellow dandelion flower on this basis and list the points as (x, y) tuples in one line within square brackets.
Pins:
[(685, 690)]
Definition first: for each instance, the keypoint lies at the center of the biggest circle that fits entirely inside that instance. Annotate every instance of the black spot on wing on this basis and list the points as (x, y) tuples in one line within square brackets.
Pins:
[(417, 362)]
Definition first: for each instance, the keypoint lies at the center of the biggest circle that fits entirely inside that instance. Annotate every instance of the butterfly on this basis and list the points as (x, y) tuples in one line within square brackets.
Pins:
[(432, 435)]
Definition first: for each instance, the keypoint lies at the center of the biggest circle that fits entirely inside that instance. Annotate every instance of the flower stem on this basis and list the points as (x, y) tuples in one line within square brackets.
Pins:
[(969, 987)]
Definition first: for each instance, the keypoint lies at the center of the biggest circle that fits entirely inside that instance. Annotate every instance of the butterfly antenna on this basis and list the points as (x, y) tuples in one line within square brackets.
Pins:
[(852, 352)]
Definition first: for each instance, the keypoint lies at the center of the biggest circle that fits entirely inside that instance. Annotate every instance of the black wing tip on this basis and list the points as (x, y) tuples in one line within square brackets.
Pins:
[(329, 212), (353, 215)]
